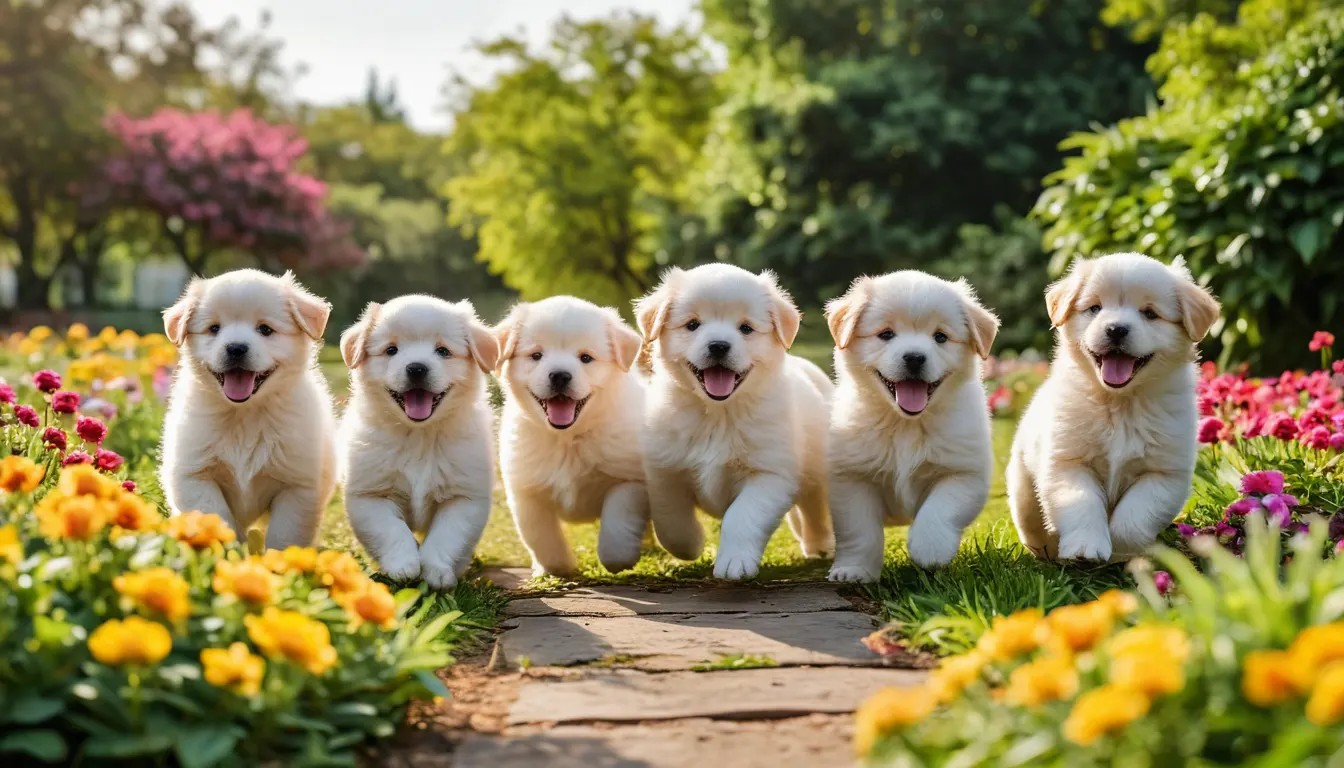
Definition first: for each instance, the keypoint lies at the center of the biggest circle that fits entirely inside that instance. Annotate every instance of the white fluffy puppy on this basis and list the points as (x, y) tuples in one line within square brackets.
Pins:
[(734, 424), (1103, 458), (570, 431), (416, 446), (249, 427), (910, 433)]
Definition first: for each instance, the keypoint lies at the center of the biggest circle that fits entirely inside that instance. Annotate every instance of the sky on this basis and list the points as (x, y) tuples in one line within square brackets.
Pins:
[(416, 42)]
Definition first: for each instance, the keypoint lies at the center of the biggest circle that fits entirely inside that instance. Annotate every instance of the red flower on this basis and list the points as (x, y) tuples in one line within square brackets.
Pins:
[(1206, 405), (129, 486), (47, 381), (54, 438), (1282, 426), (7, 394), (1318, 438), (1320, 340), (27, 416), (1211, 430), (108, 461), (1337, 441), (91, 430), (1163, 581), (76, 457), (65, 402), (1337, 367)]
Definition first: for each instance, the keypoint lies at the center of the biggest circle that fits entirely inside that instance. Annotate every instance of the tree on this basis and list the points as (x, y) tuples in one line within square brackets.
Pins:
[(567, 165), (226, 182), (1238, 171)]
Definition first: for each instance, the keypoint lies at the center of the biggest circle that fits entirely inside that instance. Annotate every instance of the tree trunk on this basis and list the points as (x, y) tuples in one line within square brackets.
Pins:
[(33, 290)]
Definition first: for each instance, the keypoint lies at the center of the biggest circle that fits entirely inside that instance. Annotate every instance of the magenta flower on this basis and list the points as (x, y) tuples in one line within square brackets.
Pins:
[(129, 486), (1318, 438), (1186, 530), (47, 381), (1337, 441), (65, 402), (27, 416), (1211, 430), (108, 461), (1338, 421), (76, 457), (1163, 581), (1262, 482), (1282, 426), (91, 430), (1320, 340), (7, 393), (54, 437)]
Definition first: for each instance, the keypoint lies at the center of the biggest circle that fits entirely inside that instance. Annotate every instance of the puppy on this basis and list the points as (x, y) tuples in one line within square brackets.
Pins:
[(910, 433), (570, 431), (734, 424), (1103, 458), (416, 451), (249, 427)]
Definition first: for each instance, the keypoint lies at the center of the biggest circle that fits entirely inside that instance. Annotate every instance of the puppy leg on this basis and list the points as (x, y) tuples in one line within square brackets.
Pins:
[(1028, 517), (539, 527), (810, 522), (379, 525), (296, 515), (1146, 509), (749, 522), (446, 552), (858, 512), (625, 517), (191, 494), (672, 508), (1076, 507), (953, 504)]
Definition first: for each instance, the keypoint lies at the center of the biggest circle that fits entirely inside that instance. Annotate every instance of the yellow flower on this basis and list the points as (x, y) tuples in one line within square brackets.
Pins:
[(1103, 710), (956, 673), (1267, 678), (1149, 672), (157, 590), (70, 517), (40, 333), (126, 340), (1326, 705), (237, 669), (249, 580), (11, 548), (1312, 650), (296, 559), (84, 480), (1011, 636), (1121, 603), (19, 474), (1151, 638), (373, 604), (199, 530), (131, 641), (1052, 678), (132, 513), (340, 571), (76, 333), (28, 347), (293, 636), (107, 335), (1075, 628), (888, 709)]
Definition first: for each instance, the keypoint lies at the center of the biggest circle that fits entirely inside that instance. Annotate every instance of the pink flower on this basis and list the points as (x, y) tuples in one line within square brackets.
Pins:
[(65, 402), (91, 430), (7, 393), (1262, 482), (1206, 405), (129, 486), (108, 461), (1338, 366), (47, 381), (76, 457), (1320, 340), (1338, 421), (1337, 441), (1318, 438), (27, 416), (1242, 507), (1282, 426), (1211, 429), (1163, 581), (53, 437)]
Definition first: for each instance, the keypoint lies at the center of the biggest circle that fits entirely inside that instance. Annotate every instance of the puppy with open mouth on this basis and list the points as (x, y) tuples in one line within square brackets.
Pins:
[(249, 428), (910, 429), (734, 424), (570, 431), (416, 446), (1104, 456)]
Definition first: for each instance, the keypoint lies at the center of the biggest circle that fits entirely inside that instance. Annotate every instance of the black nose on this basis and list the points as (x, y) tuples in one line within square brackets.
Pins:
[(1117, 332), (235, 350), (560, 380), (719, 349), (417, 370), (914, 361)]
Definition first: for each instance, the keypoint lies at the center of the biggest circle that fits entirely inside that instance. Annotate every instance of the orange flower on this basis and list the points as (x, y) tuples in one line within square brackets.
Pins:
[(1326, 705), (70, 517), (157, 590), (296, 559), (292, 636), (19, 474), (236, 669), (84, 480), (11, 547), (132, 513), (132, 641), (955, 674), (1103, 710), (249, 580), (340, 571), (1313, 650), (1076, 628), (1011, 636), (1267, 678), (199, 530), (1048, 679), (373, 604), (1121, 603)]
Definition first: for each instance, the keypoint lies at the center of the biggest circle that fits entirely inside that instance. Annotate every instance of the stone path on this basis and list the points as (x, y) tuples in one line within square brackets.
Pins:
[(608, 680)]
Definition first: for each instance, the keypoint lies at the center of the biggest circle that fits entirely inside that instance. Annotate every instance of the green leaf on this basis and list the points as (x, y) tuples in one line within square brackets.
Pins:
[(33, 708), (1308, 237), (432, 684), (128, 745), (204, 746), (44, 745)]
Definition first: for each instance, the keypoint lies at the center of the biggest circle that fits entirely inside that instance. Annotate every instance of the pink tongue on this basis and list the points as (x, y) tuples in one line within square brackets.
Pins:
[(912, 395), (1117, 370), (238, 384), (419, 403), (560, 411), (719, 382)]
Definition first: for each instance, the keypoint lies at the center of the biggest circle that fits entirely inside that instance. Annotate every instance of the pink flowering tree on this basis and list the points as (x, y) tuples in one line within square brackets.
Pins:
[(225, 182)]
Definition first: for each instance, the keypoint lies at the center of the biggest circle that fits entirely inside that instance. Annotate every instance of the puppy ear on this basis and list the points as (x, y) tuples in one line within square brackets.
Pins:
[(625, 343), (652, 309), (506, 333), (481, 342), (176, 317), (1061, 295), (309, 310), (1199, 309), (983, 324), (842, 314), (356, 337), (783, 314)]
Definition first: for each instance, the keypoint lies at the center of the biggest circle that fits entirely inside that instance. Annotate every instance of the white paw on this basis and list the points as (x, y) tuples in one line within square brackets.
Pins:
[(440, 578), (683, 545), (735, 567), (853, 573), (617, 556), (1085, 546), (933, 546), (401, 566)]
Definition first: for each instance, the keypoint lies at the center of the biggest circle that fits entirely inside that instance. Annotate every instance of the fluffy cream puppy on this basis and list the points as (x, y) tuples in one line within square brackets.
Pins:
[(416, 447), (249, 427), (1103, 458), (910, 434), (734, 424), (570, 431)]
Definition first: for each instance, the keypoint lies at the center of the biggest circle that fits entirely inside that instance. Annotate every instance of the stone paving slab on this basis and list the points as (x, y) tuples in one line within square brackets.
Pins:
[(638, 601), (818, 740), (619, 695), (679, 641)]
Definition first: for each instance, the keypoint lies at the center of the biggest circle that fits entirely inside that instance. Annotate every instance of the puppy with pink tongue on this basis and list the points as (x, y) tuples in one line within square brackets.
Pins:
[(416, 446)]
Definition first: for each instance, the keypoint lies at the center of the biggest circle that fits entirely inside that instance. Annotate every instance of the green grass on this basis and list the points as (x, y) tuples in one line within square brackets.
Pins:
[(735, 661)]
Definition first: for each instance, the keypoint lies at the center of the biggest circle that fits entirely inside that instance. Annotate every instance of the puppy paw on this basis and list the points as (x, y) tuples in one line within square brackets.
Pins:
[(617, 556), (933, 546), (562, 570), (400, 567), (735, 568), (853, 573), (440, 578), (818, 548), (684, 545), (1084, 546)]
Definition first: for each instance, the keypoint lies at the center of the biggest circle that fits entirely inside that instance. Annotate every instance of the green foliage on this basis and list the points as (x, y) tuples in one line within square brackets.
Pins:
[(735, 661), (1006, 263), (1235, 171)]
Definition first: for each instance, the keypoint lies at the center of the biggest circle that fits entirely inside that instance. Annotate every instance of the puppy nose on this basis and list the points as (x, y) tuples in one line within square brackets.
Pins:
[(417, 370), (719, 349), (1117, 332), (913, 361), (560, 379), (235, 350)]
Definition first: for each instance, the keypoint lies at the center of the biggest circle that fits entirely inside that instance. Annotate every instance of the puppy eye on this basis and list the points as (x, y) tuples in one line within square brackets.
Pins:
[(745, 329), (1150, 314), (691, 326), (390, 351), (1094, 309), (214, 329), (886, 334), (443, 352), (585, 358), (536, 355), (940, 337), (265, 330)]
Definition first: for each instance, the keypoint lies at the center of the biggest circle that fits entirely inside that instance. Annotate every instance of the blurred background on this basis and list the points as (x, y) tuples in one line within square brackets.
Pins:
[(526, 148)]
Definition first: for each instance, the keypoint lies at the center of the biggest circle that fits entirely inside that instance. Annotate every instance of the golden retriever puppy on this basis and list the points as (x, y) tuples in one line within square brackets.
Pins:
[(910, 432), (734, 424), (570, 431), (249, 428), (1103, 458), (416, 446)]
